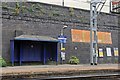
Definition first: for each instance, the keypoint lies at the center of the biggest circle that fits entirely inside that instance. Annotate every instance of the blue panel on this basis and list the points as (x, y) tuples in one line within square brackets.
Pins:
[(32, 51), (51, 50), (16, 50), (12, 51)]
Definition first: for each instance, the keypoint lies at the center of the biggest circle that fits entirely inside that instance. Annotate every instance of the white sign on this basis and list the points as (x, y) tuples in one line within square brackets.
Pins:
[(63, 55), (108, 51)]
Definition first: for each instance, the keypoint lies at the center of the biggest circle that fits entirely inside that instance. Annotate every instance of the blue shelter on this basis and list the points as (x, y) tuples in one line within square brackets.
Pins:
[(25, 48)]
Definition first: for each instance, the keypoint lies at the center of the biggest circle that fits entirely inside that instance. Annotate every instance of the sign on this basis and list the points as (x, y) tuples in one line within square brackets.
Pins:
[(100, 52), (104, 37), (115, 51), (63, 49), (63, 55), (108, 51), (62, 39), (84, 36)]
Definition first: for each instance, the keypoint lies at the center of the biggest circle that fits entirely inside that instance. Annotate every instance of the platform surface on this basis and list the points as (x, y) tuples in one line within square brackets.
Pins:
[(17, 70)]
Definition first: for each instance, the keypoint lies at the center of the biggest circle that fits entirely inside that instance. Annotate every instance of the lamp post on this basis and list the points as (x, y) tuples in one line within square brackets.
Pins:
[(62, 53), (62, 34)]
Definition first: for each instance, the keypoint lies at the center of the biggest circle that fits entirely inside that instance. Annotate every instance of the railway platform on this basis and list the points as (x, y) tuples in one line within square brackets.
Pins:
[(43, 71)]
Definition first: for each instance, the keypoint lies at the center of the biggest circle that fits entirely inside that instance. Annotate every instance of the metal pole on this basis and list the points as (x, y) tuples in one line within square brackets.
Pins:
[(93, 33), (62, 35), (110, 6), (61, 46), (93, 30), (63, 3), (91, 26)]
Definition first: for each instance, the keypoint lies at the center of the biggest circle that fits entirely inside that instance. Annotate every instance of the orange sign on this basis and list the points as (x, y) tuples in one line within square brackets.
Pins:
[(84, 36)]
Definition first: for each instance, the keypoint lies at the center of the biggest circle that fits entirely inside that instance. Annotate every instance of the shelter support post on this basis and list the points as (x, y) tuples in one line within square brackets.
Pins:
[(56, 54), (21, 52), (44, 55), (12, 51)]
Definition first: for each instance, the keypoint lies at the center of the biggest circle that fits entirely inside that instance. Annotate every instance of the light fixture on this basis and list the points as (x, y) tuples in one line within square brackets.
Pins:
[(65, 27)]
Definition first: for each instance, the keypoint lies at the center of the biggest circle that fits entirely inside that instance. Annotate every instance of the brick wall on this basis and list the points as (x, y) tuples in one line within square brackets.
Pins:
[(48, 20)]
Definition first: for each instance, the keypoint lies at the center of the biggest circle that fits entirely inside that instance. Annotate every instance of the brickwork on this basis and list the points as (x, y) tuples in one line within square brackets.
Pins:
[(48, 20)]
